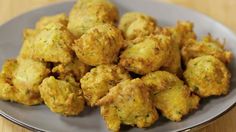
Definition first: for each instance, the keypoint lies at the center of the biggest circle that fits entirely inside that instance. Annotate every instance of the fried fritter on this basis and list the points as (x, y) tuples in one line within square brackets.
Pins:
[(208, 46), (135, 24), (207, 76), (128, 103), (58, 18), (146, 54), (173, 64), (99, 80), (100, 45), (62, 96), (19, 80), (170, 95), (50, 44), (181, 33), (87, 14), (76, 68)]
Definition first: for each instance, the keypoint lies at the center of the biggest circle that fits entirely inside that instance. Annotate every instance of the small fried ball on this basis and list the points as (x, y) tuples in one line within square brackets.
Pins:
[(99, 80), (62, 96), (100, 45), (208, 46), (207, 76), (181, 33), (20, 79), (50, 44), (170, 95), (128, 103), (135, 24), (76, 68), (146, 54), (58, 18), (173, 64), (87, 14)]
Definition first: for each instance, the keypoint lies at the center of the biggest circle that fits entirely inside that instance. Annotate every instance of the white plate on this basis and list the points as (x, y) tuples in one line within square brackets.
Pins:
[(40, 118)]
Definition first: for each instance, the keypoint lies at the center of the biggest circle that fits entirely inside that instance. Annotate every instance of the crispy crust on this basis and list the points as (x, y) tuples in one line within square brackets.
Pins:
[(100, 45), (87, 14), (135, 24), (128, 103), (146, 55), (99, 80), (19, 81), (206, 70), (62, 96), (170, 95)]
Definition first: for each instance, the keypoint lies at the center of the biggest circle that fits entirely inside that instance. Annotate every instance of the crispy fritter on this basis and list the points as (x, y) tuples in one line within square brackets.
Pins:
[(208, 46), (19, 81), (173, 64), (99, 80), (100, 45), (62, 96), (128, 103), (76, 68), (181, 33), (146, 54), (170, 95), (135, 24), (87, 14), (58, 18), (207, 76), (50, 44)]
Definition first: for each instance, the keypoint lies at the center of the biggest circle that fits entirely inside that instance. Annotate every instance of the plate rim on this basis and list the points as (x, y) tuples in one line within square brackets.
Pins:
[(204, 123)]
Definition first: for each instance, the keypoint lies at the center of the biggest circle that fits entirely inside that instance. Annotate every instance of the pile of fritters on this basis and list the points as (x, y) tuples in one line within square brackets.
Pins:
[(133, 69)]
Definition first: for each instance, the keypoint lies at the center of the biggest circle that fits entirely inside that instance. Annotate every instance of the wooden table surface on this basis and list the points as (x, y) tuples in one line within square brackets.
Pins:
[(222, 10)]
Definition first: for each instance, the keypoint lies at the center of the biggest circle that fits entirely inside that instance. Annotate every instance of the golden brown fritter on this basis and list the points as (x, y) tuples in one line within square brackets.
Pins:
[(146, 54), (173, 64), (50, 44), (99, 80), (87, 14), (135, 24), (181, 33), (208, 46), (128, 103), (100, 45), (7, 90), (58, 18), (62, 96), (19, 81), (207, 76), (76, 68), (170, 95)]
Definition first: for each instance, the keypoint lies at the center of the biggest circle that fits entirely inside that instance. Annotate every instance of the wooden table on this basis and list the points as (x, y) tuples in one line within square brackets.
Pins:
[(222, 10)]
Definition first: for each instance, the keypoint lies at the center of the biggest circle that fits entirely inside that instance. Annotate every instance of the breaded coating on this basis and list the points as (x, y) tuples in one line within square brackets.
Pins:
[(76, 68), (208, 46), (146, 54), (128, 103), (87, 14), (135, 24), (207, 76), (7, 90), (58, 18), (51, 44), (99, 80), (181, 33), (173, 64), (170, 95), (100, 45), (62, 96), (19, 81)]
